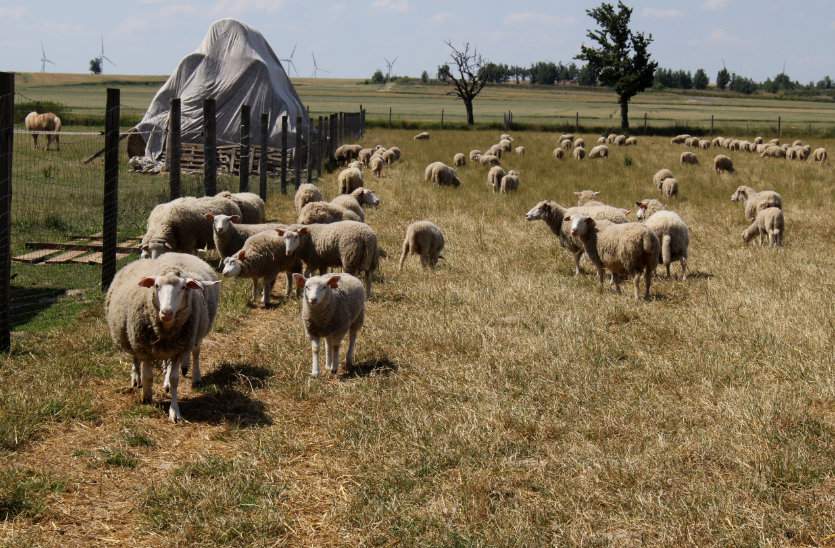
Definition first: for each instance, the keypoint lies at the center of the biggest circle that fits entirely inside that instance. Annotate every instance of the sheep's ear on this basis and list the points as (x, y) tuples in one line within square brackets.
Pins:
[(641, 204), (210, 216), (280, 231), (567, 218), (193, 284), (147, 281), (595, 193), (168, 246), (303, 230), (299, 280), (627, 211), (235, 218), (241, 255), (333, 282)]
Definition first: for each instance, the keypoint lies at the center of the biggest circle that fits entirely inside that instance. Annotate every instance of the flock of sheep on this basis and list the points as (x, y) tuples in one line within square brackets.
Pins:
[(160, 308)]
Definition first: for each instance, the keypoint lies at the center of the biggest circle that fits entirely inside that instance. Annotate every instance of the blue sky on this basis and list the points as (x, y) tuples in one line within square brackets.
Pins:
[(351, 37)]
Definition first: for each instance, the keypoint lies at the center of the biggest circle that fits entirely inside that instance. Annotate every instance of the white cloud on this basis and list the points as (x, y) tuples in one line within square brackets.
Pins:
[(400, 6), (444, 16), (12, 12), (530, 17), (226, 8), (723, 37), (715, 5), (662, 13)]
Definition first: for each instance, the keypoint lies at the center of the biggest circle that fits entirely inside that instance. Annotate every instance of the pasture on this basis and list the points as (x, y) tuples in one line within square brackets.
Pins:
[(498, 400), (413, 102)]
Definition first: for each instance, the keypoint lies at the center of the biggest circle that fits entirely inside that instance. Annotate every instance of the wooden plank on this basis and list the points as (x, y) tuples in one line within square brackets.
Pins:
[(35, 256), (88, 247), (95, 258), (65, 257)]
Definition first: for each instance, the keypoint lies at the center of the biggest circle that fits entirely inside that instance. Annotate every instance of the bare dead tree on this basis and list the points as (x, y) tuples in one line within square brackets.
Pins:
[(470, 79)]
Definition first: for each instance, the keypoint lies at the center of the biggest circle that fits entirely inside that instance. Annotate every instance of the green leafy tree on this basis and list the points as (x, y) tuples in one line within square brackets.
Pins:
[(424, 77), (700, 79), (95, 65), (723, 79), (621, 58), (378, 77)]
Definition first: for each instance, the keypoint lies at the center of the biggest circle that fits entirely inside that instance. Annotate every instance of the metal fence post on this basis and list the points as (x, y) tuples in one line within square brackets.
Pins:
[(6, 152), (209, 147), (442, 118), (111, 189), (174, 149), (309, 145), (389, 116), (246, 150), (263, 163), (321, 152), (362, 121), (577, 122), (297, 153), (284, 154)]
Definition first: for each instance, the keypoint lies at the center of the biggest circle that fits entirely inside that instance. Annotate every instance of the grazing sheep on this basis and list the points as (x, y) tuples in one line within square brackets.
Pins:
[(717, 142), (505, 145), (349, 245), (722, 163), (305, 194), (611, 138), (631, 141), (355, 200), (397, 153), (251, 205), (423, 238), (495, 150), (566, 136), (349, 180), (820, 155), (494, 177), (579, 142), (579, 153), (688, 158), (510, 182), (566, 144), (475, 154), (364, 155), (661, 175), (559, 153), (263, 257), (346, 153), (674, 236), (333, 305), (668, 187), (648, 207), (389, 157), (758, 140), (441, 174), (459, 160), (704, 144), (422, 136), (47, 121), (601, 140), (793, 153), (182, 225), (229, 234), (587, 197), (768, 225), (755, 201), (376, 165), (600, 151), (489, 160), (679, 139), (325, 213), (520, 151), (620, 140), (629, 249), (158, 312)]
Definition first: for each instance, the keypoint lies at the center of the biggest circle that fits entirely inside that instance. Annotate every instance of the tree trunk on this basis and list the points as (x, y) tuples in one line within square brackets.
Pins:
[(470, 118), (624, 113)]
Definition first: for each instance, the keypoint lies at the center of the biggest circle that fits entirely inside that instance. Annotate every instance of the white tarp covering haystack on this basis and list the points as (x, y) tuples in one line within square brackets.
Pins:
[(236, 66)]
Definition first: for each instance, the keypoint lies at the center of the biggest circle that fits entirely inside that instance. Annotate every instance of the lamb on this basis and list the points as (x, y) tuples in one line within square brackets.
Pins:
[(332, 306), (47, 121), (620, 140), (349, 180), (579, 153), (559, 153), (648, 207), (668, 187), (350, 245), (688, 158), (423, 238), (475, 154), (262, 257), (587, 197), (674, 236), (679, 139), (722, 163), (820, 155), (494, 177), (422, 136), (756, 201), (631, 141), (661, 175), (167, 323), (520, 151), (629, 249), (554, 214), (773, 151), (305, 194), (251, 205), (459, 160), (325, 213), (376, 165), (355, 200), (489, 160), (768, 224), (229, 235), (600, 151), (364, 155), (510, 182), (346, 153), (442, 175), (182, 225)]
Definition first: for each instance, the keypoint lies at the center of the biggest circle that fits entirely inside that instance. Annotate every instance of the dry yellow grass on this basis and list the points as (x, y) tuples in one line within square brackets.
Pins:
[(499, 400)]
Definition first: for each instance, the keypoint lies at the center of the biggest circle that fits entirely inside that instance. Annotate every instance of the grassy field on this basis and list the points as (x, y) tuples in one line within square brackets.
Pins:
[(415, 102), (499, 401)]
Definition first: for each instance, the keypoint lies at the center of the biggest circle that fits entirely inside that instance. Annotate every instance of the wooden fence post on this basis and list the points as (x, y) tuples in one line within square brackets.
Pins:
[(362, 121), (110, 221), (779, 126), (6, 153), (297, 153), (646, 123), (174, 149), (209, 147), (284, 154), (309, 146), (389, 116), (442, 118), (321, 148), (264, 159), (712, 123), (246, 150), (577, 122)]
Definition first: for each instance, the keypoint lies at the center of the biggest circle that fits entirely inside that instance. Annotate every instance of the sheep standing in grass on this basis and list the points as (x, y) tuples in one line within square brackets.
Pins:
[(333, 305), (324, 213), (599, 151), (579, 142), (629, 249), (355, 200), (723, 164), (251, 205), (579, 153), (679, 139), (364, 155), (305, 194), (648, 207), (423, 238), (755, 201), (263, 257), (820, 155), (422, 136), (396, 152), (773, 151), (768, 225), (459, 160), (376, 165), (345, 153), (620, 140), (668, 187), (631, 141), (704, 144), (674, 236), (505, 145), (559, 153), (230, 235), (475, 154), (494, 177), (489, 160), (688, 158), (661, 175), (495, 150), (441, 174), (566, 144), (47, 121), (520, 151), (510, 182), (349, 180)]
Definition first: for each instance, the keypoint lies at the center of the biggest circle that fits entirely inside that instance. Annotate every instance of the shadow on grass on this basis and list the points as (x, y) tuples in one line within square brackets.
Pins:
[(374, 366), (227, 375), (28, 302)]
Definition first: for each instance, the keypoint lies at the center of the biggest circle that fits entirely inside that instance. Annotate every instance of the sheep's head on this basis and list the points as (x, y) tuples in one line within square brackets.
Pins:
[(169, 293), (317, 289), (581, 225), (741, 194), (292, 238), (154, 248), (232, 266), (367, 197), (540, 211), (222, 223), (586, 195)]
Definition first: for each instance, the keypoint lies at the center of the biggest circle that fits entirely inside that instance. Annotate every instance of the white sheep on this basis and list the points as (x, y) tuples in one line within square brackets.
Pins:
[(579, 153), (620, 140), (648, 207), (263, 257), (489, 160), (349, 180), (601, 140), (773, 151), (423, 238), (661, 175), (355, 200), (346, 153), (505, 145), (674, 236), (599, 151), (688, 158), (229, 234), (494, 177), (441, 174), (251, 205), (510, 182), (459, 160), (579, 142), (376, 164), (364, 155), (305, 194), (559, 153), (755, 201), (722, 164), (422, 136), (679, 139), (631, 141), (704, 144), (768, 225), (325, 213), (668, 187), (475, 154), (520, 151), (820, 155)]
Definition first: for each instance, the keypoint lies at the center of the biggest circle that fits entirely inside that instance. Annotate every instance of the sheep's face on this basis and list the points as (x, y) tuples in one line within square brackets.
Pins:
[(170, 294), (223, 223), (154, 248), (232, 267), (641, 214), (317, 290), (539, 211), (369, 198), (740, 195), (292, 239), (581, 226)]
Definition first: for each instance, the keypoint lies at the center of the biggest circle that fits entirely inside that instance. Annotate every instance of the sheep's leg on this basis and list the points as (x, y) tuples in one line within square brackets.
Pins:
[(334, 353), (268, 289), (352, 343), (314, 346), (254, 290), (647, 282), (368, 274), (135, 379), (403, 254), (667, 266), (57, 143), (165, 371), (577, 256), (147, 381), (174, 381), (683, 263), (35, 141), (196, 377), (289, 276)]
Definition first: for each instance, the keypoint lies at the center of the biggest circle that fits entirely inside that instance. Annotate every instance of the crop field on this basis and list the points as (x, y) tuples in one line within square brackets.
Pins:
[(497, 401), (414, 102)]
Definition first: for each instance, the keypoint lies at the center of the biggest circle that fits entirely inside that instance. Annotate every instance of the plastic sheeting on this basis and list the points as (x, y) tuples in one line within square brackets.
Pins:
[(236, 65)]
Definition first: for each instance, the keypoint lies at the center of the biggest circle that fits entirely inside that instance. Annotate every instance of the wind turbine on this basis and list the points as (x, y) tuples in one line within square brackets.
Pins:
[(389, 64), (103, 57), (316, 69), (289, 62), (44, 59)]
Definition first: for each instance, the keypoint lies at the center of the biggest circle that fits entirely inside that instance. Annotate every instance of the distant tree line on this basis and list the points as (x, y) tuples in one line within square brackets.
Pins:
[(725, 80)]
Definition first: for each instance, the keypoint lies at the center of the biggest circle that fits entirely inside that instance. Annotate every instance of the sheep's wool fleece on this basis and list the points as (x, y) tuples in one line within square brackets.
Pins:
[(346, 308)]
